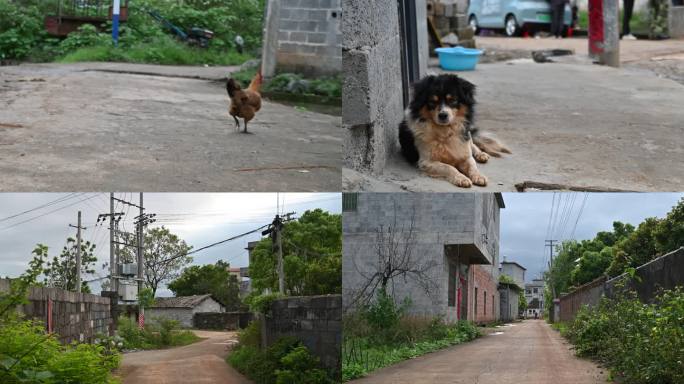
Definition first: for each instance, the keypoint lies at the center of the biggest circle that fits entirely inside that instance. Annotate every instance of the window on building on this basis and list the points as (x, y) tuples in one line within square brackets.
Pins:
[(536, 290), (452, 286), (527, 291), (484, 307), (349, 201), (475, 304)]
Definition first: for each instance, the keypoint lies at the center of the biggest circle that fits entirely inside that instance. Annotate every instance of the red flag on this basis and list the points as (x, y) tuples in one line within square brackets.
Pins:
[(141, 320)]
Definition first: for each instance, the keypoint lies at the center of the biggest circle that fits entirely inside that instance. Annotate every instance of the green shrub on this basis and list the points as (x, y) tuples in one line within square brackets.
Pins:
[(21, 29), (158, 333), (286, 361), (300, 367), (640, 343), (251, 335)]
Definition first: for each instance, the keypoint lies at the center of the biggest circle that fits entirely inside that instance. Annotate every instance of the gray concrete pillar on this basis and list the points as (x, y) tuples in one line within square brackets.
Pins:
[(270, 38)]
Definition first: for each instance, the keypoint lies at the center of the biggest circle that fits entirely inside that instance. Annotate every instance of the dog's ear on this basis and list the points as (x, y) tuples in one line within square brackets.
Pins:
[(421, 91), (466, 91)]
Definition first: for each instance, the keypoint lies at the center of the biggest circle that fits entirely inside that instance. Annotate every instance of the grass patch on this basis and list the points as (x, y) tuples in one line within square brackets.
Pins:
[(165, 51), (363, 355), (382, 333), (162, 333)]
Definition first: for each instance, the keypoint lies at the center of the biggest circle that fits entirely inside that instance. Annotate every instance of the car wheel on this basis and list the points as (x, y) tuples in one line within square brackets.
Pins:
[(472, 22), (511, 26)]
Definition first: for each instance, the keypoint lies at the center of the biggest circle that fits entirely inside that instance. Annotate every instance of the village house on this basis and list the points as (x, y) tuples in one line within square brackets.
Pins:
[(509, 292), (534, 294), (183, 308), (457, 233)]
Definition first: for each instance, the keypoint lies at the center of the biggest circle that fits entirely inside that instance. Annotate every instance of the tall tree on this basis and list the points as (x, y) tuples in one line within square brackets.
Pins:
[(312, 257), (214, 279), (61, 271), (160, 245)]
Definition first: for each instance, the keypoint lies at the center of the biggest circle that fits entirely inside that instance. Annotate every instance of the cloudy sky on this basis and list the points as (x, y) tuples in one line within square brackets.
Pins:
[(525, 220), (199, 219)]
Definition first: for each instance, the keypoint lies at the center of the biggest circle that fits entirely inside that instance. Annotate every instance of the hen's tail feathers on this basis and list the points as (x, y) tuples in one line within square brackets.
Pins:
[(490, 145), (408, 144), (255, 84)]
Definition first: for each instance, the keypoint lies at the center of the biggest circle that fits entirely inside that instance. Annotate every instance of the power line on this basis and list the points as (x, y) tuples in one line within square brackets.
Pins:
[(45, 214), (584, 201), (213, 244), (56, 201)]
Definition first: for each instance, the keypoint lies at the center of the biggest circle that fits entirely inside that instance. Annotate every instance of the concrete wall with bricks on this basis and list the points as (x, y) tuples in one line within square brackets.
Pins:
[(451, 16), (75, 316), (440, 225), (315, 320), (309, 37)]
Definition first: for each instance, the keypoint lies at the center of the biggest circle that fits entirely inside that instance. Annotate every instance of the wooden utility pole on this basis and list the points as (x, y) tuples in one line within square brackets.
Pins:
[(78, 252)]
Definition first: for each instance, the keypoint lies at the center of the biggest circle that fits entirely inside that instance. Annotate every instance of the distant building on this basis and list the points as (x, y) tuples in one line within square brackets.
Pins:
[(509, 293), (182, 308), (534, 294), (515, 271), (458, 232)]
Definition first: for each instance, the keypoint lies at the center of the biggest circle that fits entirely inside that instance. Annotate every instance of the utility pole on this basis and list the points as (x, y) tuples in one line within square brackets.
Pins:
[(78, 252), (141, 319), (551, 244), (114, 218), (141, 221), (277, 237), (112, 264)]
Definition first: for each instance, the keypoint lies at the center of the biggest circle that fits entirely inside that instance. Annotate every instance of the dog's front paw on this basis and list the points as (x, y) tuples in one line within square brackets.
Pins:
[(462, 182), (481, 157), (479, 180)]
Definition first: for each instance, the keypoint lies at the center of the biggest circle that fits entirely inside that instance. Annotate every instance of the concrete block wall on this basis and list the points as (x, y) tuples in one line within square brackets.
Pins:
[(451, 16), (75, 316), (315, 320), (182, 315), (664, 272), (508, 302), (309, 37), (372, 86), (224, 321)]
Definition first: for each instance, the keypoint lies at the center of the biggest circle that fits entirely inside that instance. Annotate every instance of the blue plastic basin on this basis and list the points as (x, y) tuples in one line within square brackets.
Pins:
[(458, 58)]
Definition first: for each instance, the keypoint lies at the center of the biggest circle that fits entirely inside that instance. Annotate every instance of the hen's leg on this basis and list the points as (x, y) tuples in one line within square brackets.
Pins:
[(237, 122), (245, 131)]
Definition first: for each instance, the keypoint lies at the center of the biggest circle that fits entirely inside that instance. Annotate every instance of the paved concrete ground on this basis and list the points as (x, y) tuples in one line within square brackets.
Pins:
[(630, 50), (572, 123), (201, 362), (75, 127), (529, 352)]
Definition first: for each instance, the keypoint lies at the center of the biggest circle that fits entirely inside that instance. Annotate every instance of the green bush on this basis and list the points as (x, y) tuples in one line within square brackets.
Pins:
[(640, 343), (21, 29), (158, 333), (251, 335), (287, 361)]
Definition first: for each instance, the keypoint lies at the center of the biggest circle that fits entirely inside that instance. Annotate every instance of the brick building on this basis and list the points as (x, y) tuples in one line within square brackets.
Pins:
[(457, 234), (303, 36)]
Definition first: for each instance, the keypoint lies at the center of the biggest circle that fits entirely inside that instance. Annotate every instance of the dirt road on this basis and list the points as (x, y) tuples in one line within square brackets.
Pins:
[(101, 126), (529, 352), (202, 362)]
